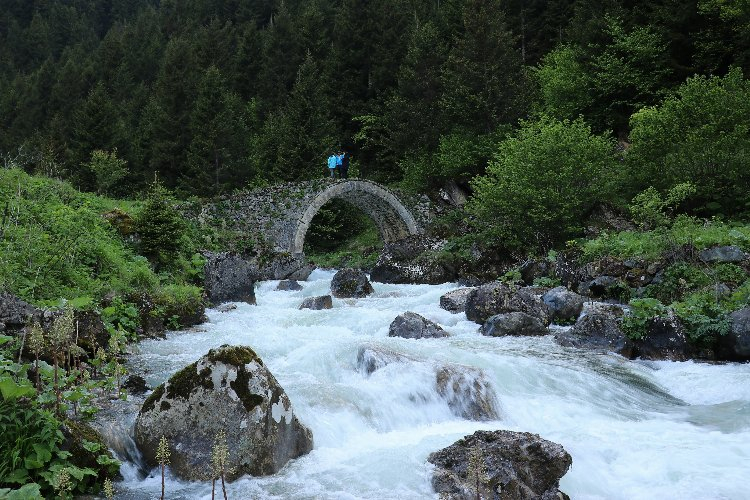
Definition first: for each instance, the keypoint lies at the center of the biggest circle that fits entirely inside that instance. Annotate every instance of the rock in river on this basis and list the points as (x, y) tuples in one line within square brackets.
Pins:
[(228, 389), (411, 325), (519, 466)]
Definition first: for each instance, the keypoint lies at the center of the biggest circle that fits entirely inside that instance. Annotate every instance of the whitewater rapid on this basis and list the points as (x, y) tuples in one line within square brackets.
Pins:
[(635, 430)]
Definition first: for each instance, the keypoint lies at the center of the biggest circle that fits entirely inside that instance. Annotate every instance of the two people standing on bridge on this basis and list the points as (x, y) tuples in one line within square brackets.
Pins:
[(339, 161)]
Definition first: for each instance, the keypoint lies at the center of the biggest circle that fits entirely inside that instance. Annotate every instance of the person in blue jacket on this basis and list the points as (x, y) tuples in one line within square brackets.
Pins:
[(332, 164)]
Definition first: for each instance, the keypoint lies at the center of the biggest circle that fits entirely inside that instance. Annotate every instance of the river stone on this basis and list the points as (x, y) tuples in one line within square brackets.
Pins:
[(665, 338), (467, 391), (135, 384), (288, 285), (411, 325), (520, 466), (723, 254), (228, 389), (595, 331), (229, 278), (513, 323), (736, 344), (497, 298), (370, 359), (563, 304), (350, 283), (321, 302), (455, 300)]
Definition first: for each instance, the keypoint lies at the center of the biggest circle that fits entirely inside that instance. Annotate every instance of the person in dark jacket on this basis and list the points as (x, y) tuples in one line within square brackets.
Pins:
[(344, 168)]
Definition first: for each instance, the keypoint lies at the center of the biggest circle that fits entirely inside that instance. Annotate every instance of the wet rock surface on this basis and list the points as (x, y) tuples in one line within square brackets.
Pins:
[(350, 283), (665, 339), (288, 285), (317, 303), (563, 304), (455, 300), (411, 325), (598, 331), (497, 298), (519, 466), (513, 323), (228, 389), (229, 278), (467, 391)]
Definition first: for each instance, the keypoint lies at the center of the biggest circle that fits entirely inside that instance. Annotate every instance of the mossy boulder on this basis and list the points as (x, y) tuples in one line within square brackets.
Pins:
[(350, 283), (228, 389)]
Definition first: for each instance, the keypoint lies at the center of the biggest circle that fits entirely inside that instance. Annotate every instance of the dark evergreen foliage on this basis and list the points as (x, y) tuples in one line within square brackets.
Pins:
[(209, 95)]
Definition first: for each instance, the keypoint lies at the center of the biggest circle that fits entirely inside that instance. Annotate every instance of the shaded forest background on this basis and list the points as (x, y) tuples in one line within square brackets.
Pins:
[(212, 95)]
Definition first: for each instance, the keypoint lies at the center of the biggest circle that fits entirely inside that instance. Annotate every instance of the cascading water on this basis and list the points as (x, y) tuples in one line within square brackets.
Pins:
[(635, 430)]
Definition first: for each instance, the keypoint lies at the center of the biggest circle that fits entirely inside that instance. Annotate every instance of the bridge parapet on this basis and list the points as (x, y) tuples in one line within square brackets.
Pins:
[(282, 214)]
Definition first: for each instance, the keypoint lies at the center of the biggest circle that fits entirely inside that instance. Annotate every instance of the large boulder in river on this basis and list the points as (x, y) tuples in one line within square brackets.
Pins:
[(735, 345), (350, 283), (563, 304), (411, 325), (519, 466), (597, 331), (288, 285), (467, 391), (229, 278), (228, 389), (372, 358), (317, 303), (665, 338), (513, 323), (497, 298), (455, 300)]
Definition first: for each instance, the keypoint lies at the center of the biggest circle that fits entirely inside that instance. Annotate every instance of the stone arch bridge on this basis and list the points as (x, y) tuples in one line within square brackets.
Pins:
[(280, 215)]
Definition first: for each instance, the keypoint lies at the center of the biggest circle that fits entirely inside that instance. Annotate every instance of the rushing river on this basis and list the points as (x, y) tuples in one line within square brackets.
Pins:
[(635, 430)]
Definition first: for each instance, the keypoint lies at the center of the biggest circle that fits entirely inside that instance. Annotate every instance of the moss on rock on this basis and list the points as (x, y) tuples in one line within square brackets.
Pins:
[(233, 355), (187, 380), (150, 402)]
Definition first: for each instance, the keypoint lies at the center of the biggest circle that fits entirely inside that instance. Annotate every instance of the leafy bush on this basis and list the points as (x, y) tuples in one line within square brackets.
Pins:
[(651, 210), (701, 135), (160, 226), (703, 317), (651, 245), (642, 311), (542, 183)]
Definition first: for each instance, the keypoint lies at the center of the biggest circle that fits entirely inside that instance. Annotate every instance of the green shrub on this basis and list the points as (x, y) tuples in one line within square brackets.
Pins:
[(547, 282), (701, 135), (642, 311), (161, 228), (542, 183), (703, 316)]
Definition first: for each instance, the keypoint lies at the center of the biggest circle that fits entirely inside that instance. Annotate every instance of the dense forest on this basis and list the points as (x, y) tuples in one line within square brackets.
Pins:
[(212, 95)]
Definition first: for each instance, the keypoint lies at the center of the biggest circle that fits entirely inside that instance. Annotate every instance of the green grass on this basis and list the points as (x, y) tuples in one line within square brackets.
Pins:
[(55, 244), (360, 251), (651, 245)]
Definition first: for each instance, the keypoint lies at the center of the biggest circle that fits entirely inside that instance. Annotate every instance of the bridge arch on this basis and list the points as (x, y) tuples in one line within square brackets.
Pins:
[(393, 220)]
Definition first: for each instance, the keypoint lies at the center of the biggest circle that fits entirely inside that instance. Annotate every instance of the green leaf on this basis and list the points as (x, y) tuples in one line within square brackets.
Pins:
[(91, 446), (11, 389), (29, 491)]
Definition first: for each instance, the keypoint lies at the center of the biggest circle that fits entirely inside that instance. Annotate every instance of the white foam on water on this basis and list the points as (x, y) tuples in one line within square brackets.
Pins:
[(635, 430)]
